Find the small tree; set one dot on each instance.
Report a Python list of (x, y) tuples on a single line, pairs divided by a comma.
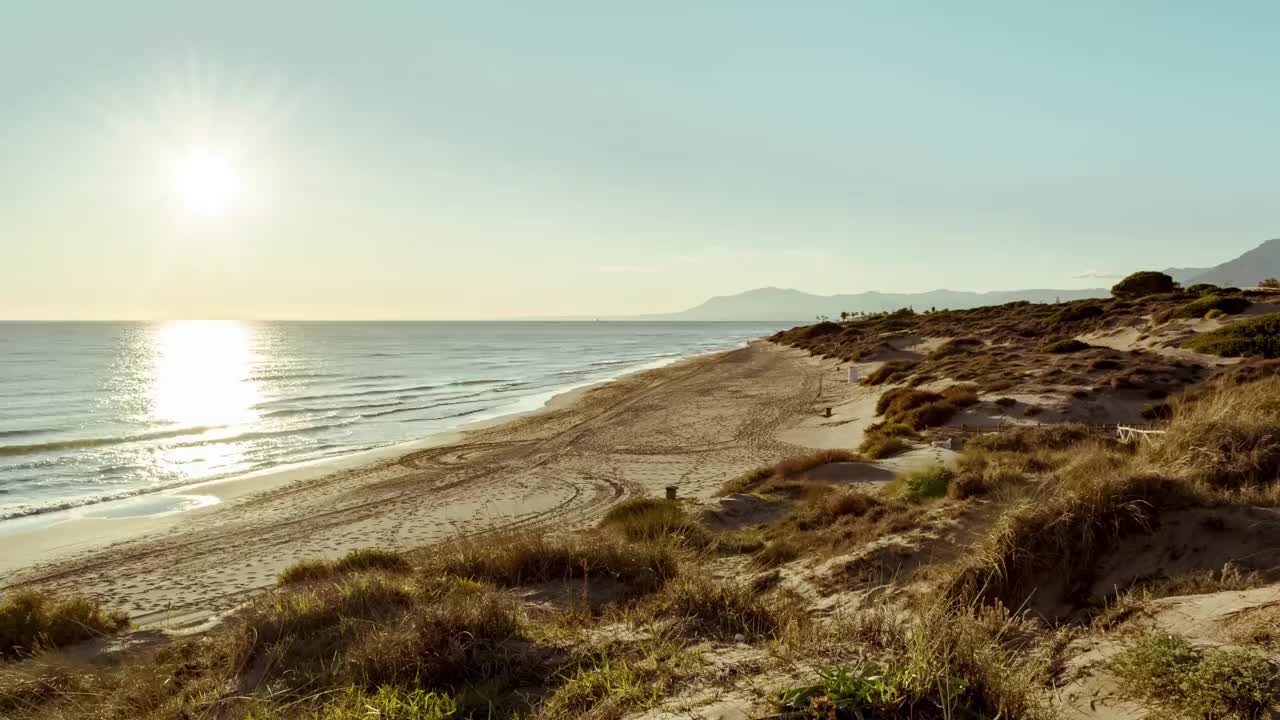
[(1141, 284), (1270, 283), (844, 315)]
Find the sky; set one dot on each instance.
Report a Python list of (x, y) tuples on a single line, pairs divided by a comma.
[(447, 160)]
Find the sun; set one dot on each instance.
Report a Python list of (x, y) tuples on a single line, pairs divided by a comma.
[(206, 182)]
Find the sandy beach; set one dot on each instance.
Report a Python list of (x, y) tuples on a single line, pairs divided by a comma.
[(693, 424)]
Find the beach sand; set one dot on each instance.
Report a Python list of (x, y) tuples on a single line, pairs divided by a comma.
[(694, 424)]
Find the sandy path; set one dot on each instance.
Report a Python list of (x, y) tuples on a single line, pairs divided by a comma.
[(693, 424)]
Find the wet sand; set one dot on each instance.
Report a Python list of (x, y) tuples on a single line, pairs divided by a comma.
[(693, 424)]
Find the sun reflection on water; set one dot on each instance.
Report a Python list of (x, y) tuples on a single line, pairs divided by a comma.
[(201, 377)]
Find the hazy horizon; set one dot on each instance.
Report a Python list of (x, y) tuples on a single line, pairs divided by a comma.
[(499, 161)]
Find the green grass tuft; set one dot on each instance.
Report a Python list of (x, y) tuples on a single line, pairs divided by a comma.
[(1196, 682), (31, 621)]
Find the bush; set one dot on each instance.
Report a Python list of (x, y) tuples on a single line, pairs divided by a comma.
[(956, 346), (898, 401), (651, 519), (1029, 439), (1142, 284), (1203, 289), (1208, 303), (717, 609), (1196, 682), (876, 445), (889, 373), (1256, 337), (822, 328), (1214, 314), (31, 621), (1077, 311), (1070, 345), (526, 559), (922, 484), (961, 396), (354, 561)]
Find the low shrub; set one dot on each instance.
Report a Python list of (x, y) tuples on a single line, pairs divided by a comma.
[(1255, 337), (31, 620), (1203, 289), (956, 346), (920, 485), (651, 519), (1031, 438), (1195, 682), (1059, 347), (1077, 311), (891, 372), (354, 561), (1208, 303), (961, 396), (822, 328), (1214, 314), (1006, 402), (876, 446), (712, 608), (526, 559)]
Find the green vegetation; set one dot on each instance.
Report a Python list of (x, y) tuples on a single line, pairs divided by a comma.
[(922, 484), (1194, 682), (884, 440), (1211, 303), (1076, 312), (1203, 289), (1144, 284), (391, 702), (889, 373), (1255, 337), (786, 471), (653, 519), (354, 561), (31, 621), (1059, 347)]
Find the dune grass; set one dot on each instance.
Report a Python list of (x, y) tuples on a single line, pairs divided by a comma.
[(354, 561), (786, 470), (32, 620), (920, 485), (650, 519), (1194, 682)]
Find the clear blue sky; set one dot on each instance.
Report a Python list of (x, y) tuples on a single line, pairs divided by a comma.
[(462, 160)]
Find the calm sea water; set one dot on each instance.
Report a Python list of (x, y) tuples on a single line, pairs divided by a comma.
[(96, 411)]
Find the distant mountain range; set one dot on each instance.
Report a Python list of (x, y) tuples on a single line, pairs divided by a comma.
[(780, 304), (1247, 270)]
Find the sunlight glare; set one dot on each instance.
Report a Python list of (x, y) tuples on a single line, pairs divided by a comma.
[(206, 183), (200, 374)]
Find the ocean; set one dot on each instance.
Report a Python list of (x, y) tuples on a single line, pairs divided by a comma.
[(91, 412)]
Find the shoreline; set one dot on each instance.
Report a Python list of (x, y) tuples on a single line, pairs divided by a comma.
[(695, 423), (205, 495), (52, 536)]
